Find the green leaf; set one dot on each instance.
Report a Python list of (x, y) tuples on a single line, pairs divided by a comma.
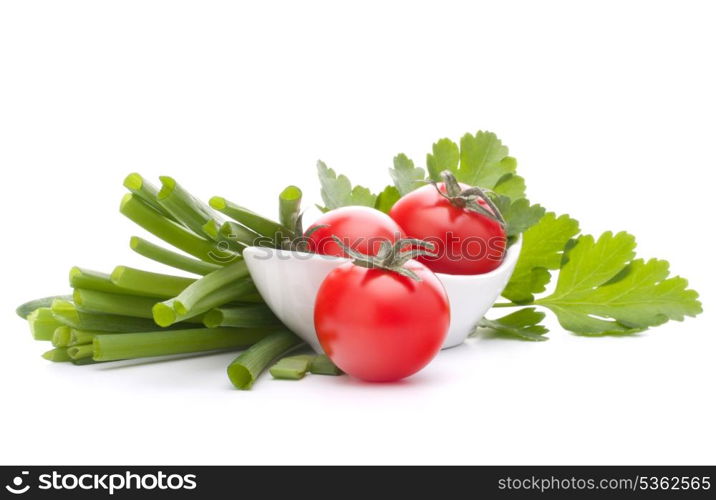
[(512, 186), (542, 249), (362, 196), (337, 191), (592, 263), (509, 163), (406, 176), (522, 324), (602, 291), (519, 214), (387, 198), (445, 156), (481, 160)]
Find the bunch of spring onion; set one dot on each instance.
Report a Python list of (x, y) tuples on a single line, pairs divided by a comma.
[(131, 313)]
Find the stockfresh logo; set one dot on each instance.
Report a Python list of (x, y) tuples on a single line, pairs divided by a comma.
[(107, 483), (17, 486)]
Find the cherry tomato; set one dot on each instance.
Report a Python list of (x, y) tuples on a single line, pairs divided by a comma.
[(361, 228), (378, 325), (466, 242)]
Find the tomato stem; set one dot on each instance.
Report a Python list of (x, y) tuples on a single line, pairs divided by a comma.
[(468, 199), (391, 257)]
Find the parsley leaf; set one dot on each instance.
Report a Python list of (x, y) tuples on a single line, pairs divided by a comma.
[(445, 156), (601, 288), (602, 291), (519, 214), (511, 185), (387, 198), (406, 176), (522, 324), (542, 248), (337, 191), (483, 159)]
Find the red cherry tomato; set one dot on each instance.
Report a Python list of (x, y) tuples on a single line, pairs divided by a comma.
[(361, 228), (380, 326), (466, 242)]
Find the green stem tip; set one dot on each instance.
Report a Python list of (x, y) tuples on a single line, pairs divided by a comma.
[(245, 369), (80, 351), (291, 367), (163, 343)]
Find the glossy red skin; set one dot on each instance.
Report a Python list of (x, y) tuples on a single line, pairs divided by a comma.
[(426, 215), (380, 326), (362, 228)]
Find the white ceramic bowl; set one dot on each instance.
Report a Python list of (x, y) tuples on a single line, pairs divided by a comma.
[(289, 281)]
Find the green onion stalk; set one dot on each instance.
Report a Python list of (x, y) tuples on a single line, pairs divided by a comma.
[(185, 208), (58, 355), (24, 310), (246, 368), (162, 343), (291, 367), (255, 222), (202, 287), (289, 206), (66, 313), (149, 283), (102, 282), (170, 258), (173, 233), (167, 313), (43, 323), (241, 316), (62, 336), (80, 351), (147, 192)]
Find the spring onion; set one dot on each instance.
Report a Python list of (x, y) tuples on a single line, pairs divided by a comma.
[(80, 351), (246, 368), (185, 208), (122, 305), (165, 313), (233, 231), (322, 365), (112, 303), (289, 203), (170, 258), (25, 309), (85, 336), (252, 298), (95, 280), (161, 343), (84, 361), (58, 354), (240, 316), (43, 323), (252, 220), (171, 232), (291, 367), (62, 336), (156, 284), (187, 299), (66, 313), (213, 229), (147, 192)]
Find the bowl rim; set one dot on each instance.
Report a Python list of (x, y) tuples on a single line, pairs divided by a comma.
[(293, 253), (511, 256)]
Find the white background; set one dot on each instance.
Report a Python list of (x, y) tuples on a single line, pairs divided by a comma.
[(609, 107)]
